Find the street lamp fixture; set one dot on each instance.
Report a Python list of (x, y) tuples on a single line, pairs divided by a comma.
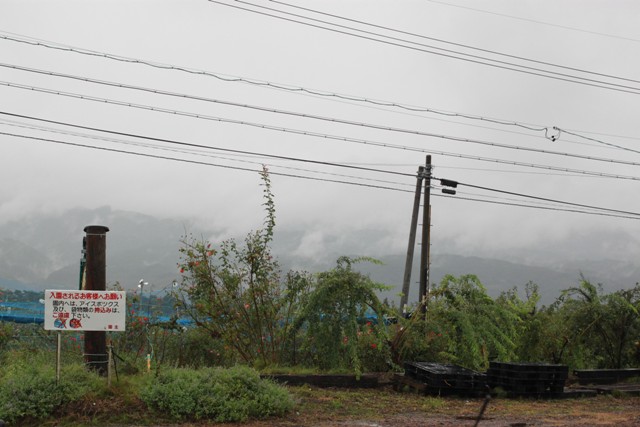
[(141, 285)]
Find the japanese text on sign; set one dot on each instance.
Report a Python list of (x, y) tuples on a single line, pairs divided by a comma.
[(85, 310)]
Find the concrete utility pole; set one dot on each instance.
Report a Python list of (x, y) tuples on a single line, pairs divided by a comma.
[(423, 294), (408, 266), (95, 342)]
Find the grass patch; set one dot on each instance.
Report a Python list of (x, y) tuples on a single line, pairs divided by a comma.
[(220, 395)]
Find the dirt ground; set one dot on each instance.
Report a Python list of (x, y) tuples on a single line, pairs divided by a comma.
[(621, 415), (387, 408)]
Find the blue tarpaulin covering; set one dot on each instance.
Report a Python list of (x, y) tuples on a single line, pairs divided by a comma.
[(22, 312)]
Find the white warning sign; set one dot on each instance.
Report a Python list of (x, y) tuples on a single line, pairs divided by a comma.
[(85, 310)]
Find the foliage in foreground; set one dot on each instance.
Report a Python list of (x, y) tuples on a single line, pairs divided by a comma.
[(238, 295), (28, 388), (29, 394), (221, 395), (341, 321)]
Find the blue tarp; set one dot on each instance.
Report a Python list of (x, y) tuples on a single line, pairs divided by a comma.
[(33, 312), (22, 312)]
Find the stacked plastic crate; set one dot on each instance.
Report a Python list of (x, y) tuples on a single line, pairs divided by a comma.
[(528, 379), (447, 379)]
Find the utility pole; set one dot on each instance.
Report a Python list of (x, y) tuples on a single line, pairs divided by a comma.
[(95, 342), (406, 283), (426, 240)]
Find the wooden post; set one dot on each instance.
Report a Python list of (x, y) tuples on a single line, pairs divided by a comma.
[(95, 342), (406, 283), (426, 239)]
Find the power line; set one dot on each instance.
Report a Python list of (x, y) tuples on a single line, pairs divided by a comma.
[(294, 114), (260, 83), (503, 198), (73, 144), (193, 152), (634, 138), (504, 171), (597, 140), (496, 63), (365, 142), (547, 199), (276, 111), (493, 52), (273, 156), (534, 206), (535, 21), (308, 92), (205, 99), (329, 180)]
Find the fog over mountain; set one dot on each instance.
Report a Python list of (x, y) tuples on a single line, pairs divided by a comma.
[(44, 251)]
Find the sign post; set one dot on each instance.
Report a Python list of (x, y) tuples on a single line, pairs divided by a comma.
[(58, 356), (69, 310)]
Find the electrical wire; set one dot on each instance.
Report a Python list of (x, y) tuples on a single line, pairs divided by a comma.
[(381, 106), (505, 171), (336, 181), (493, 52), (272, 156), (195, 153), (535, 21), (254, 82), (366, 142), (300, 115), (184, 151), (547, 199), (288, 175), (261, 83), (534, 207), (72, 144), (598, 141), (497, 64)]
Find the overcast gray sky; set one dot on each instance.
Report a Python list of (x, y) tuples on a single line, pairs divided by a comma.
[(479, 85)]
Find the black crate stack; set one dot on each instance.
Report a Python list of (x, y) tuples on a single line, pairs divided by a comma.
[(605, 376), (447, 379), (528, 379)]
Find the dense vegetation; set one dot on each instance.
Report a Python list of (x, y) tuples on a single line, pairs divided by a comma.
[(245, 312)]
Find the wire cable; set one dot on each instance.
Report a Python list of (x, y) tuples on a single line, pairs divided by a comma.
[(259, 83), (193, 152), (300, 115), (325, 180), (73, 144), (597, 140), (493, 52), (547, 199), (534, 206), (366, 142), (535, 21), (308, 92), (496, 64)]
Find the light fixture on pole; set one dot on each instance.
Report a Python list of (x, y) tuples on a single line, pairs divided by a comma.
[(141, 285)]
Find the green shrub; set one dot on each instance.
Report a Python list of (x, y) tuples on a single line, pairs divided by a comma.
[(28, 389), (220, 395)]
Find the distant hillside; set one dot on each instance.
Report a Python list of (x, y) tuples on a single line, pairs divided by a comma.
[(495, 275), (44, 251)]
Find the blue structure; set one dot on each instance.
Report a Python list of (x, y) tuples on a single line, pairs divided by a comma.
[(22, 312)]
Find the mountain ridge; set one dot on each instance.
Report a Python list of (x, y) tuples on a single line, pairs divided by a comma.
[(43, 251)]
